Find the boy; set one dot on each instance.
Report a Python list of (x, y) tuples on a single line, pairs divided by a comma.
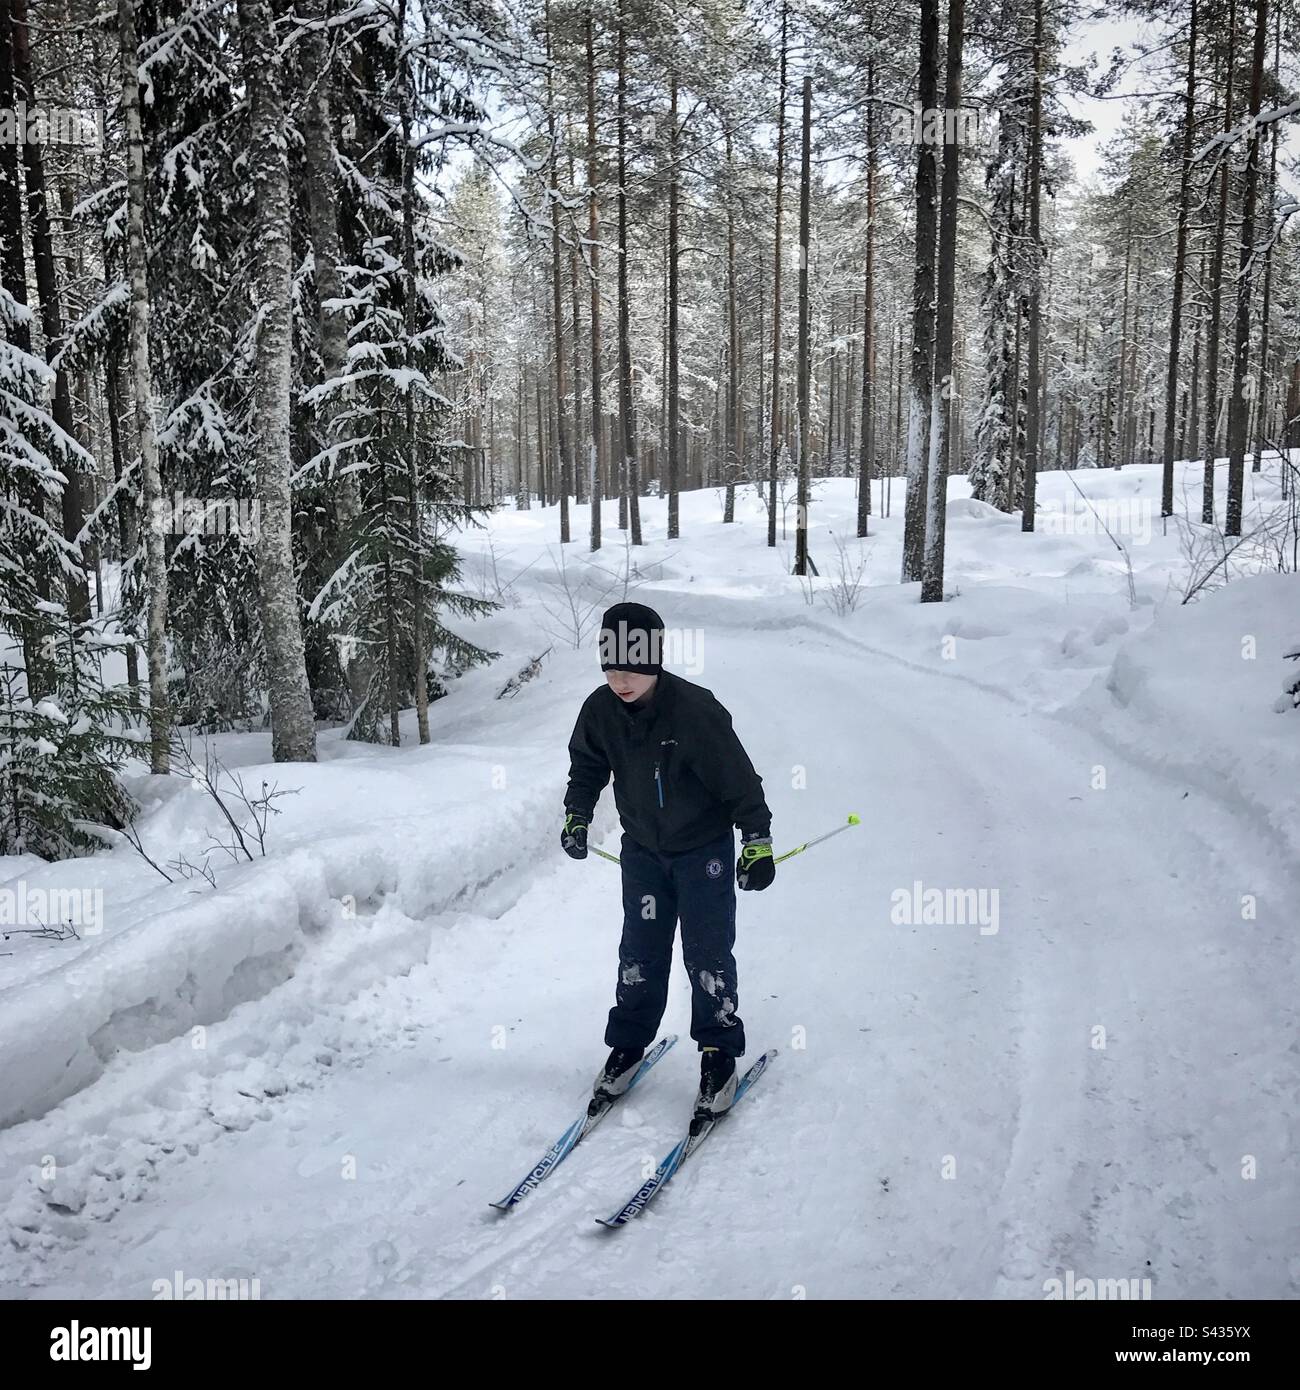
[(682, 781)]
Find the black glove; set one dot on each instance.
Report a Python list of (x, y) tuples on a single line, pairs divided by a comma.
[(755, 869), (573, 837)]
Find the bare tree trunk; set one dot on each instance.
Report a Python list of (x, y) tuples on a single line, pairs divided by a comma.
[(867, 441), (674, 411), (1121, 390), (1292, 439), (483, 472), (774, 455), (419, 656), (47, 293), (1194, 403), (661, 456), (627, 403), (596, 462), (1180, 270), (322, 200), (521, 483), (941, 419), (849, 432), (1044, 362), (1011, 371), (1266, 308), (733, 346), (1216, 291), (543, 439), (472, 374), (832, 383), (805, 366), (922, 384), (1032, 345), (760, 403), (142, 389), (891, 432), (127, 522), (575, 263), (1238, 406), (293, 732), (1131, 408), (390, 604)]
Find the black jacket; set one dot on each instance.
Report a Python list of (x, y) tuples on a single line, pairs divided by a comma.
[(681, 777)]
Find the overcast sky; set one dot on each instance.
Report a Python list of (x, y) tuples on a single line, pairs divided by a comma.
[(1100, 39)]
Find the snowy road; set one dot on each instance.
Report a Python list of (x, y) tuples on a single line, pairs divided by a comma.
[(945, 1118)]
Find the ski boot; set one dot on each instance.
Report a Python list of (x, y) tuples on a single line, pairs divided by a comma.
[(615, 1078), (717, 1087)]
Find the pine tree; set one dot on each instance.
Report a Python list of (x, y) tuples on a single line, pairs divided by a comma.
[(61, 745)]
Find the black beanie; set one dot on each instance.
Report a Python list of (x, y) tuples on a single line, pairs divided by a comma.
[(631, 639)]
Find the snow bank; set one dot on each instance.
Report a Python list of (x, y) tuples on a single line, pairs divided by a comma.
[(172, 970), (1195, 694), (423, 828)]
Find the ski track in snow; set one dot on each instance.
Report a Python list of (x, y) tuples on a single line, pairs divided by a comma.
[(924, 1045)]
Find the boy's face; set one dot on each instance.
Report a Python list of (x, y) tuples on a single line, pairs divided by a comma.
[(629, 686)]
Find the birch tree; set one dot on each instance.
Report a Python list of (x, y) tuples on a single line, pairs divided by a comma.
[(293, 730)]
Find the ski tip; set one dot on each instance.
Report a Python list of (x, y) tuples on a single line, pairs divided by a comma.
[(502, 1207), (610, 1223)]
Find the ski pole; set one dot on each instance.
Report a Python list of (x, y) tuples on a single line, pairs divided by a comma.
[(808, 844), (789, 854)]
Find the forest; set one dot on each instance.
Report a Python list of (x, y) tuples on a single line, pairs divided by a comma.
[(294, 295)]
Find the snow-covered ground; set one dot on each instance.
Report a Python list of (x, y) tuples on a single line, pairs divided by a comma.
[(317, 1073)]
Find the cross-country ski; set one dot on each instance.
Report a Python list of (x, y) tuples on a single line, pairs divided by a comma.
[(700, 1128), (597, 1108)]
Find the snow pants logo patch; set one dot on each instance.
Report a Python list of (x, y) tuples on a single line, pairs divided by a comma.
[(714, 868)]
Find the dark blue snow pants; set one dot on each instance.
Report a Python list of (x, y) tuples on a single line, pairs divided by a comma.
[(697, 886)]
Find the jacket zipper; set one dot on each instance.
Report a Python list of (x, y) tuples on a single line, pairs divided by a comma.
[(659, 786)]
